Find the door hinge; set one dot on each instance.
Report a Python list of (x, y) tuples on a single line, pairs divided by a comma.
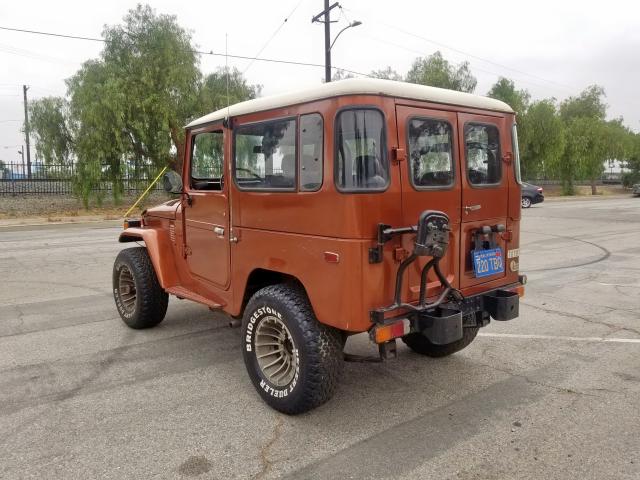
[(398, 154), (507, 158)]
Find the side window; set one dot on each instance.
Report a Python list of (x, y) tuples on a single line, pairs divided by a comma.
[(361, 157), (265, 155), (207, 160), (311, 158), (430, 153), (482, 148)]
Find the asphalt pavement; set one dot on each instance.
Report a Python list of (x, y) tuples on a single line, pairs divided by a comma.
[(552, 394)]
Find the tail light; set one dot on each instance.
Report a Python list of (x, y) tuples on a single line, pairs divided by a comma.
[(540, 189)]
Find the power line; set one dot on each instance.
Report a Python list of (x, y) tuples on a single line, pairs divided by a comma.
[(467, 54), (273, 35), (200, 52), (475, 67)]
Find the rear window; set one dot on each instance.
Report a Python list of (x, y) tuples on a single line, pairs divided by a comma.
[(265, 155), (482, 149), (361, 160), (430, 153)]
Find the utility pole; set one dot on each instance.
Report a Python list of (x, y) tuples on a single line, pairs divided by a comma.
[(26, 132), (327, 36)]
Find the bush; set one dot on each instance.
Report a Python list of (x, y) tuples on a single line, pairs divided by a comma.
[(630, 178)]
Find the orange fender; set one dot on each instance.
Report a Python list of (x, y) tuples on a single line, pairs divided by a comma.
[(160, 250)]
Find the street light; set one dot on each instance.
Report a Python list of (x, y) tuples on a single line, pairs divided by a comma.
[(326, 13), (355, 23)]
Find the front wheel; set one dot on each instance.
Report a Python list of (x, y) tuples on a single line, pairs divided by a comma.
[(421, 344), (294, 361), (140, 300), (526, 202)]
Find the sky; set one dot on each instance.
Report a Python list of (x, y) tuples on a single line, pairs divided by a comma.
[(551, 48)]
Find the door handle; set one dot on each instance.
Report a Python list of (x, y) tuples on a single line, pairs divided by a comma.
[(218, 231), (471, 208)]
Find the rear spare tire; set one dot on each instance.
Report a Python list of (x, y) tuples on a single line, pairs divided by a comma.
[(294, 361), (140, 300), (421, 344)]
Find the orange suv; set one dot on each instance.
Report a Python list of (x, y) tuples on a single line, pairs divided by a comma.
[(355, 206)]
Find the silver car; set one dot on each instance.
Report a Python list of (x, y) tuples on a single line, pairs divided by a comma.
[(636, 189)]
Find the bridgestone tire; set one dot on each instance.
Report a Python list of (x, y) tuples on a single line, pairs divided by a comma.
[(133, 266), (315, 350), (420, 344)]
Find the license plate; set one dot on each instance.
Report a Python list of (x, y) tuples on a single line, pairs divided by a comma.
[(487, 262)]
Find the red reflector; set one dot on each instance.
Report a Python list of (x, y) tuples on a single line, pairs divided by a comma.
[(331, 257), (394, 330)]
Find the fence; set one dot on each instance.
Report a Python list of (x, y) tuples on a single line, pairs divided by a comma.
[(44, 179)]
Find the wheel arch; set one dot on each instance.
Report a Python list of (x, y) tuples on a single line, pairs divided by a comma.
[(262, 277), (160, 249)]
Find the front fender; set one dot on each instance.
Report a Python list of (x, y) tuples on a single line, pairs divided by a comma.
[(160, 251)]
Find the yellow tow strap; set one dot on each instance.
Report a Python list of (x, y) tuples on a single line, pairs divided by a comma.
[(145, 192)]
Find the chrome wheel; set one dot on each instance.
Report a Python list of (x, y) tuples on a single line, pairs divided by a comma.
[(127, 290), (275, 351), (526, 202)]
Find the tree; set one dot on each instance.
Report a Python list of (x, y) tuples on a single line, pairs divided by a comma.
[(542, 140), (125, 110), (505, 90), (340, 74), (589, 103), (387, 74), (213, 93), (586, 150), (49, 122), (436, 71)]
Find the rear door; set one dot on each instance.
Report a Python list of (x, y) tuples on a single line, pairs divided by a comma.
[(430, 177), (482, 143)]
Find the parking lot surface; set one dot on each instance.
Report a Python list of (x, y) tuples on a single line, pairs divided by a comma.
[(552, 394)]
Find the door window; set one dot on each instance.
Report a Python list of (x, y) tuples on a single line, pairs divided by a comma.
[(430, 153), (482, 148), (207, 159), (361, 160), (265, 155), (311, 159)]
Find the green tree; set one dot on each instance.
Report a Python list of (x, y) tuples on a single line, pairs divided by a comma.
[(587, 148), (436, 71), (213, 93), (590, 103), (49, 122), (126, 110), (542, 139), (505, 90), (387, 74)]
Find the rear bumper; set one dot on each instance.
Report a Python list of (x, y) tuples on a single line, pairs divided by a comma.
[(444, 324), (538, 198)]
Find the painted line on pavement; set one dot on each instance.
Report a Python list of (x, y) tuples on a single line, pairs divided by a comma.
[(567, 339)]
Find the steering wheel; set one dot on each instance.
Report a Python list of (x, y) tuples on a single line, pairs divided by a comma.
[(251, 172)]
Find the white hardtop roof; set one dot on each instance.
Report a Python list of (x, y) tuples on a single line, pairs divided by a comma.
[(355, 86)]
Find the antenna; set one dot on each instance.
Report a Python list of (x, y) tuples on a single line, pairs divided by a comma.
[(226, 68)]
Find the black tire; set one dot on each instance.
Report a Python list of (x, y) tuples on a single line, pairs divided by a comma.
[(526, 202), (420, 344), (314, 350), (133, 270)]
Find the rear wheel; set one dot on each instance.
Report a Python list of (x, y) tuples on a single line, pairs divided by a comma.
[(526, 202), (140, 300), (421, 344), (294, 361)]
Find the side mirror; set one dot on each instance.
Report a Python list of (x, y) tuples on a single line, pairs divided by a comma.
[(172, 182)]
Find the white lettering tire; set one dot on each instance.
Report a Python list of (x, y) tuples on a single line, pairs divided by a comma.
[(294, 361)]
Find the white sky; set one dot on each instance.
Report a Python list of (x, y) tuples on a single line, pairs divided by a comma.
[(552, 48)]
